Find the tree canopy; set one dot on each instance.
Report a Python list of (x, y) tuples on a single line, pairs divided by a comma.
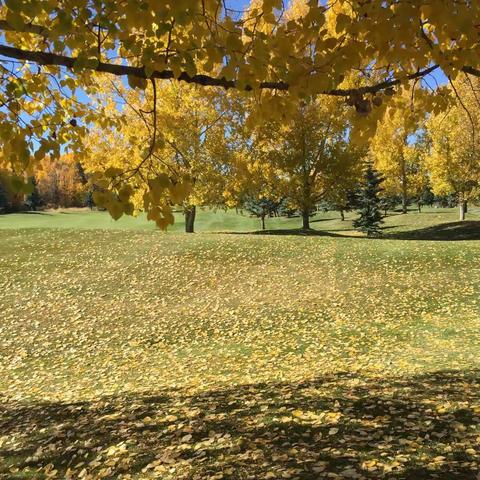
[(54, 53)]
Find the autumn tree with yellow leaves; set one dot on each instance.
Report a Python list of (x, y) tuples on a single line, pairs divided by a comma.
[(194, 143), (311, 155), (51, 53), (393, 147), (187, 159), (454, 157)]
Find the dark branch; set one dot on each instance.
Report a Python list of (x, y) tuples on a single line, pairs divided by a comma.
[(44, 58), (48, 59), (382, 85), (472, 71), (27, 28)]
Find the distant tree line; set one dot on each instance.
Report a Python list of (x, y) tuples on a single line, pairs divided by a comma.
[(356, 199), (58, 184)]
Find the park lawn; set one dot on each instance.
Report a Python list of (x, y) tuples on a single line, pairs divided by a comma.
[(224, 221), (131, 353)]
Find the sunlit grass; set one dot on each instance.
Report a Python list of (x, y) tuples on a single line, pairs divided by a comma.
[(160, 355)]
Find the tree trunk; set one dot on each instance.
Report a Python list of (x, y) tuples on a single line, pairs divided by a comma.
[(263, 222), (463, 210), (419, 206), (306, 220), (404, 188), (404, 200), (190, 213), (342, 215)]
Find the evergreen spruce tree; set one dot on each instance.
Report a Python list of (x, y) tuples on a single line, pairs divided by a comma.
[(34, 200), (369, 203), (4, 200), (89, 199), (426, 197), (389, 202), (260, 207)]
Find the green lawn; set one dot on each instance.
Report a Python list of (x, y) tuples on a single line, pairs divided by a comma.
[(131, 353), (226, 221), (207, 220)]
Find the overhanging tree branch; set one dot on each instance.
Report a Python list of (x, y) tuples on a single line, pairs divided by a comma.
[(26, 28), (472, 71), (53, 59)]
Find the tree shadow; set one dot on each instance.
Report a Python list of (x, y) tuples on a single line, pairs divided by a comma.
[(26, 212), (342, 425), (466, 230), (324, 219), (439, 211), (287, 231)]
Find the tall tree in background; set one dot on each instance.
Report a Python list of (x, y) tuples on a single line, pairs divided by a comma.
[(311, 154), (392, 150), (370, 204), (186, 165), (454, 159)]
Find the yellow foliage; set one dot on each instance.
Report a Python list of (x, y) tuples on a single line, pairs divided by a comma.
[(393, 149), (295, 50), (58, 182), (453, 161), (173, 151)]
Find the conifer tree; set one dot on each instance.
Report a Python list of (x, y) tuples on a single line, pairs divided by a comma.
[(4, 200), (33, 199), (426, 197), (260, 207), (370, 203)]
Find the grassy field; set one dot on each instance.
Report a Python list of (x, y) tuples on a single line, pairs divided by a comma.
[(131, 353), (230, 221)]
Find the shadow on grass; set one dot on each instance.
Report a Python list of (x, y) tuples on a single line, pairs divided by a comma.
[(466, 230), (324, 219), (287, 231), (30, 212), (454, 231), (336, 426)]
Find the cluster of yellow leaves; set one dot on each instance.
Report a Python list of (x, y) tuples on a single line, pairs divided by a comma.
[(308, 47), (393, 149)]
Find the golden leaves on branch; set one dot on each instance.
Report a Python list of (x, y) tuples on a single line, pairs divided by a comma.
[(359, 50), (112, 192)]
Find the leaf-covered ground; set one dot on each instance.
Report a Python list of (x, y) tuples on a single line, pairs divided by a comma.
[(137, 354)]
